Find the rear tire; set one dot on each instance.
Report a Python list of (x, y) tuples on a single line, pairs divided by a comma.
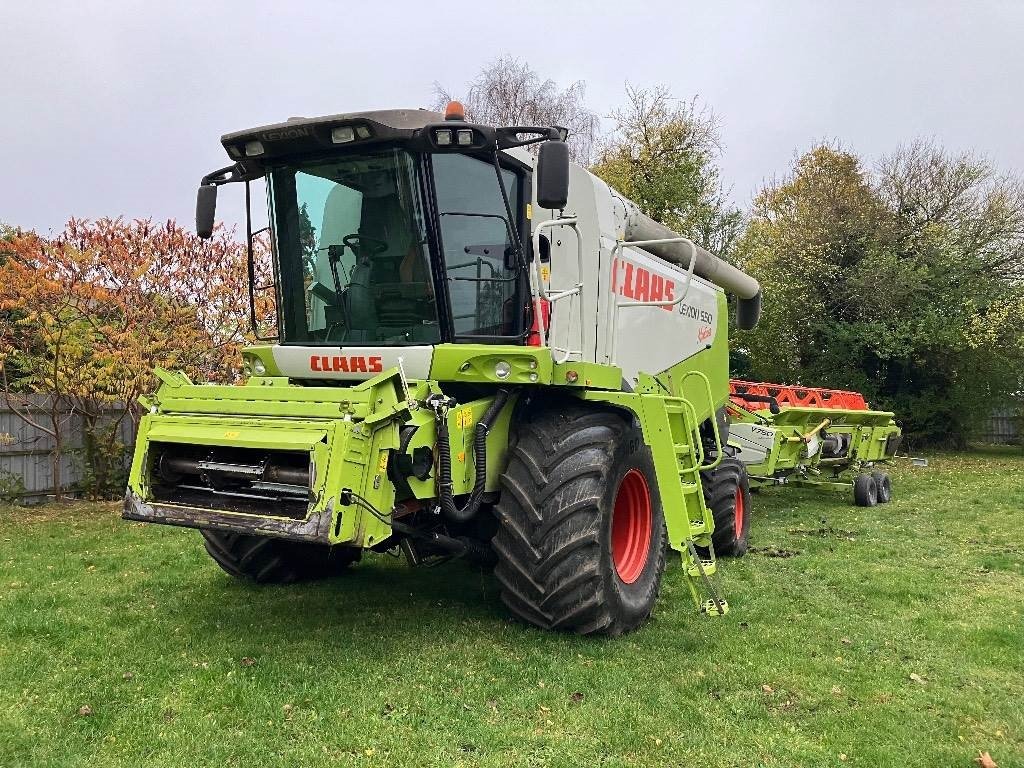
[(884, 485), (581, 537), (865, 491), (266, 560), (727, 495)]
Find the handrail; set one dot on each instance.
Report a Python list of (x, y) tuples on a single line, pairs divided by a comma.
[(714, 421), (614, 305), (540, 290)]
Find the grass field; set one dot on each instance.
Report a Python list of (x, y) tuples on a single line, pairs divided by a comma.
[(891, 636)]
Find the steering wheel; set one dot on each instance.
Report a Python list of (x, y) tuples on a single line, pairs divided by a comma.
[(362, 244)]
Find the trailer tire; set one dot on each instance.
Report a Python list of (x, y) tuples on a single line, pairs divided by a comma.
[(865, 491), (581, 534), (727, 495), (884, 485), (267, 560)]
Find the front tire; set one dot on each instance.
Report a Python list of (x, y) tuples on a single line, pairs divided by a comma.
[(267, 560), (581, 537)]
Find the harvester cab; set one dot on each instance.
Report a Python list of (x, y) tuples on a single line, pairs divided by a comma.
[(479, 351)]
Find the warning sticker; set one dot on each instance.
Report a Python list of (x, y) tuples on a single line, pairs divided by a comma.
[(464, 418)]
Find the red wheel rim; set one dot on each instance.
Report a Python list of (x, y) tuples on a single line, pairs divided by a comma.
[(739, 512), (631, 526)]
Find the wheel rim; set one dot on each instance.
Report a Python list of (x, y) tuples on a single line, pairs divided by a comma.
[(631, 526), (740, 512)]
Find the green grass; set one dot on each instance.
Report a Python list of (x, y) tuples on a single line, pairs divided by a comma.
[(182, 666)]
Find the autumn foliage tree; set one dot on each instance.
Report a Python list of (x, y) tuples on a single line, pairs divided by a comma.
[(93, 311)]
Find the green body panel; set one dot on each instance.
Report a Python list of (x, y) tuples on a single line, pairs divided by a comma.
[(475, 363), (462, 421), (709, 391), (264, 353)]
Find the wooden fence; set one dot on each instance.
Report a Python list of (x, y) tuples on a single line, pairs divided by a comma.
[(1003, 427), (26, 451)]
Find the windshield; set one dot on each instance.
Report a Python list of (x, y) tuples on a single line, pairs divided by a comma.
[(352, 248)]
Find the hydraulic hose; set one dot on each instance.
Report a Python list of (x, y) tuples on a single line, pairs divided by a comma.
[(448, 506)]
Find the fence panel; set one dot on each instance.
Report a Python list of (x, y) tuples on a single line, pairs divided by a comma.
[(1003, 427), (26, 451)]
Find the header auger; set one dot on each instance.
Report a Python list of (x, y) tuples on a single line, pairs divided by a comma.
[(480, 352)]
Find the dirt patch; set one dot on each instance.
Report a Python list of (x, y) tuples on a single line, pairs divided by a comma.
[(825, 533), (773, 551)]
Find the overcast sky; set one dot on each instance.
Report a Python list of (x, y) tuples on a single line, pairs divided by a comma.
[(115, 108)]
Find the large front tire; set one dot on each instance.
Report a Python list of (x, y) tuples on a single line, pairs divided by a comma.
[(581, 538), (266, 560)]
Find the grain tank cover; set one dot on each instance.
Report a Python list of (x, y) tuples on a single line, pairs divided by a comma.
[(639, 227)]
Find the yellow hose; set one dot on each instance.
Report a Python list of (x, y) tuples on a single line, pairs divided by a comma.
[(806, 438)]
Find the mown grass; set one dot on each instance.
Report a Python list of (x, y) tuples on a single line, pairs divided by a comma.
[(890, 637)]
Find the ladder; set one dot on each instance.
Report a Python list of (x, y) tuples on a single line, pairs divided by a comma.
[(670, 429)]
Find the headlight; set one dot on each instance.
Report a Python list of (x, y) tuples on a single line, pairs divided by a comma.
[(343, 135), (258, 367), (502, 369)]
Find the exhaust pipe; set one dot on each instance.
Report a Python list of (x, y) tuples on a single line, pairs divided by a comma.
[(639, 227)]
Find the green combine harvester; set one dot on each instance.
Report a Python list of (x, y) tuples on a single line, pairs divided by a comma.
[(812, 437), (480, 352)]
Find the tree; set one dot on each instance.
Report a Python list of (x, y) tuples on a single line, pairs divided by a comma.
[(46, 350), (904, 283), (663, 156), (508, 92), (103, 303)]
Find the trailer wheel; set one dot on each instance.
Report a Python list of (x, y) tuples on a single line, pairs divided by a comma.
[(727, 494), (581, 537), (865, 491), (884, 485), (266, 560)]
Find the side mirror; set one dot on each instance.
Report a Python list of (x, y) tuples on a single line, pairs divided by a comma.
[(553, 175), (206, 209)]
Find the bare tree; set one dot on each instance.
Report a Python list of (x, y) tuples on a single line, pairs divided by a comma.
[(983, 211), (508, 92), (663, 154)]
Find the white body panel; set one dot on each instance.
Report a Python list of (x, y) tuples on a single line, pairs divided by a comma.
[(649, 339), (754, 441)]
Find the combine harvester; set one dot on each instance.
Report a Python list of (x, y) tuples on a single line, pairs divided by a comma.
[(805, 436), (480, 352)]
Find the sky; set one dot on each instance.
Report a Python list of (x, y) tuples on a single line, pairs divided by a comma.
[(116, 108)]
